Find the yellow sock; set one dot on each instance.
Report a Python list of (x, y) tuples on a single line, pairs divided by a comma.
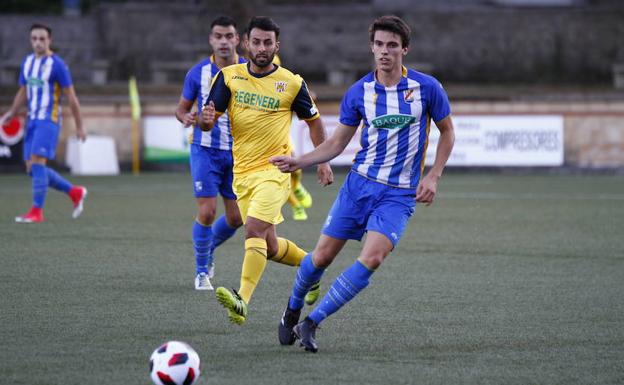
[(253, 266), (295, 179), (288, 253)]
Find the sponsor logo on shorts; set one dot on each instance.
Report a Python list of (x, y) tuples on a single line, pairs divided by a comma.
[(198, 186)]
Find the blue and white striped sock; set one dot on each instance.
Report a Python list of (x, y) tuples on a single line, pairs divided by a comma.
[(221, 231), (57, 182), (307, 275), (345, 287), (39, 184), (202, 240)]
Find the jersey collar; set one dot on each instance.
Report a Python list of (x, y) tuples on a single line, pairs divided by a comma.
[(213, 59), (255, 75), (403, 74)]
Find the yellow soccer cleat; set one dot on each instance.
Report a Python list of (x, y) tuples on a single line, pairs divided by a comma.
[(299, 213), (313, 294), (303, 196), (236, 306)]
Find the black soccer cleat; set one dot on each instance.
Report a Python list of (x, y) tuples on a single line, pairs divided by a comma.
[(285, 329), (306, 332)]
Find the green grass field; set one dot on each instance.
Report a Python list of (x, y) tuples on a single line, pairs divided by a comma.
[(506, 279)]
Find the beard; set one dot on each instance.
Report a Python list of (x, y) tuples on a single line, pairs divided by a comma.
[(262, 61)]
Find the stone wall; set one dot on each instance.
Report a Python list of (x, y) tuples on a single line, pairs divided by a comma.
[(474, 44), (73, 38), (472, 41), (595, 141)]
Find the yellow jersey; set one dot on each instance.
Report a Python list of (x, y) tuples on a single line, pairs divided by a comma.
[(259, 108)]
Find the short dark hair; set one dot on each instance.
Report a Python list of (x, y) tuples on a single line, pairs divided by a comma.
[(264, 23), (41, 26), (224, 21), (392, 24)]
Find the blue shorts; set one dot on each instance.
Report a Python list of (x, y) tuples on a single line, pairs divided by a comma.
[(41, 139), (211, 170), (364, 205)]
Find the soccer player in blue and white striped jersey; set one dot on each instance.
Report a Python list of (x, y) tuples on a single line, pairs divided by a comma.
[(380, 193), (43, 76), (211, 152)]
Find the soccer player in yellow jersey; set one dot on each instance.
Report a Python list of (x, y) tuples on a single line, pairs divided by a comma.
[(259, 98), (299, 198)]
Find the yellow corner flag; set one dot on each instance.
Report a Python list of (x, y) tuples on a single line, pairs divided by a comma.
[(135, 106)]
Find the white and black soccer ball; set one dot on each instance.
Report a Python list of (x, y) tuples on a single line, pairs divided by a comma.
[(174, 363)]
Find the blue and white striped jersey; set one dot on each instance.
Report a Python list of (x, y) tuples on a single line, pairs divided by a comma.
[(396, 125), (197, 87), (44, 78)]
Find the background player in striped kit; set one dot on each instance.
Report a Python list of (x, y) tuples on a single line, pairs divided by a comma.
[(43, 75), (211, 153), (381, 191)]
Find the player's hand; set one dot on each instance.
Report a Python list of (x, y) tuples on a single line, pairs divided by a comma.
[(426, 190), (284, 163), (324, 174), (189, 119), (81, 134), (208, 117)]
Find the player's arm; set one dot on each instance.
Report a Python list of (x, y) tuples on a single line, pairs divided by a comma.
[(190, 91), (325, 151), (18, 101), (183, 112), (428, 186), (304, 107), (324, 172), (74, 106), (216, 104), (331, 148), (63, 77)]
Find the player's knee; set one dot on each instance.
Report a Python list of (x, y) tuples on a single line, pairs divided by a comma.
[(373, 258), (252, 232), (234, 220), (206, 215), (373, 261), (37, 159), (323, 256), (272, 249)]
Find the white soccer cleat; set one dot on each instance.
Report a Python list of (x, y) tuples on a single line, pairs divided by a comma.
[(202, 282), (211, 270), (78, 197)]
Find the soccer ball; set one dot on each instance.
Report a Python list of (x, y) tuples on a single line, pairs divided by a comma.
[(174, 363)]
